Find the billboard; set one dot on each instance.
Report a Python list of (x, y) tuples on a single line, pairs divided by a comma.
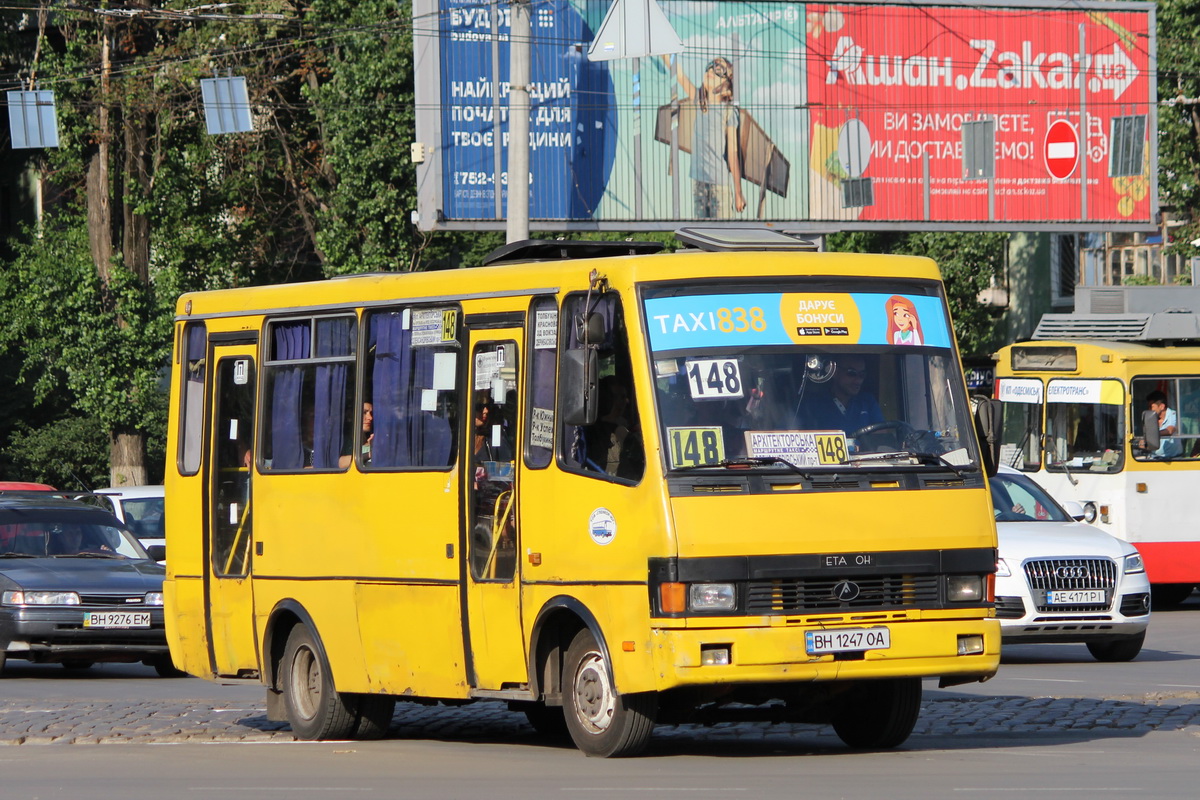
[(812, 116)]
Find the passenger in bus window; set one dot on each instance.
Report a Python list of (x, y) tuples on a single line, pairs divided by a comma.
[(1168, 426), (843, 405), (368, 434)]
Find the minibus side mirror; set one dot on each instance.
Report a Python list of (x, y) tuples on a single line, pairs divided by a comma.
[(578, 401), (1150, 431)]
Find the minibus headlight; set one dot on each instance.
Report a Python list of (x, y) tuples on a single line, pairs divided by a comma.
[(964, 588), (1002, 570), (1089, 512), (1134, 563), (40, 599), (711, 597)]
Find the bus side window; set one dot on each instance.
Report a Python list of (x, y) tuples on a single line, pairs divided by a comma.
[(413, 393), (309, 393), (612, 446), (539, 441), (195, 345)]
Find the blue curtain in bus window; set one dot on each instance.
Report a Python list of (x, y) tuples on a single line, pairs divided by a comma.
[(430, 434), (291, 341), (391, 377), (335, 337)]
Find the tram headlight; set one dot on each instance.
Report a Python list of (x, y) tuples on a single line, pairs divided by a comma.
[(1134, 563), (712, 597), (1089, 512)]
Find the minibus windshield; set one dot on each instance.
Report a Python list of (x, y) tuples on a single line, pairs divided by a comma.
[(742, 381)]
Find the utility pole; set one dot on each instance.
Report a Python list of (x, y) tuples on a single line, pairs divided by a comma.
[(519, 48)]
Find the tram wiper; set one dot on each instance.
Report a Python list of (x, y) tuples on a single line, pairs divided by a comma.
[(747, 462), (923, 457)]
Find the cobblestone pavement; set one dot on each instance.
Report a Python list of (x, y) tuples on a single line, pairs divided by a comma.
[(960, 717)]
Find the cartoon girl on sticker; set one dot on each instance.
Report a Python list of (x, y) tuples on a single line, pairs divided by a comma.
[(904, 326)]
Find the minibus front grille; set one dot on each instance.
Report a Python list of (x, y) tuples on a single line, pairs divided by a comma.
[(1067, 574), (789, 596)]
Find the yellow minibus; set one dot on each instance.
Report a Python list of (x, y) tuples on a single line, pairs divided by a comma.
[(1114, 426), (607, 485)]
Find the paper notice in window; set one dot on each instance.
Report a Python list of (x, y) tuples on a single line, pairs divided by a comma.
[(429, 399), (545, 331), (444, 365), (541, 427)]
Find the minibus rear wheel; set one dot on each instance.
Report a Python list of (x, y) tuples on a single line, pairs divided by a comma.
[(876, 715), (602, 722)]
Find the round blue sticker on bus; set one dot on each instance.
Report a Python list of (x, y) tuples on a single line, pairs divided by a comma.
[(602, 526)]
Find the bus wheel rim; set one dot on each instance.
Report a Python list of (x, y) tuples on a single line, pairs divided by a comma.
[(594, 696)]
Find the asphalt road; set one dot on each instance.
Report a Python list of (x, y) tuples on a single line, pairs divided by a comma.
[(1053, 721)]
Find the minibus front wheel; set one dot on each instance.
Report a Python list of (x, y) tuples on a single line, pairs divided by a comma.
[(601, 721), (879, 714)]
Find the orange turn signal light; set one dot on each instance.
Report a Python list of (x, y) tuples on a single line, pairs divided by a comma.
[(672, 597)]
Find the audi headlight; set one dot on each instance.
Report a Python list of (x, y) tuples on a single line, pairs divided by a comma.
[(1133, 563), (19, 598), (1002, 570), (712, 597), (964, 588), (154, 598)]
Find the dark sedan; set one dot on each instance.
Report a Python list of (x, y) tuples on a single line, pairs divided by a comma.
[(76, 587)]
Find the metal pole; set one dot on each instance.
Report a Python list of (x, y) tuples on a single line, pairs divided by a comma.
[(497, 113), (519, 46), (1083, 124), (637, 138)]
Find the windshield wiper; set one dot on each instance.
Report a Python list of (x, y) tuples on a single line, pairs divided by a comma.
[(87, 555), (17, 555), (747, 462), (925, 458)]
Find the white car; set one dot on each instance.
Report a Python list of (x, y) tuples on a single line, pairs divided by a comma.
[(1060, 580), (141, 509)]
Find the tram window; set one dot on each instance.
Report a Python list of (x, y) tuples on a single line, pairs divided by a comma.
[(1182, 398)]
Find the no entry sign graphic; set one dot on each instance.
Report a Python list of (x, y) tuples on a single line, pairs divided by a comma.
[(1061, 149)]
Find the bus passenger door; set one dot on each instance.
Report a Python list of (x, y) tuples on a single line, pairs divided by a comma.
[(228, 589), (497, 648)]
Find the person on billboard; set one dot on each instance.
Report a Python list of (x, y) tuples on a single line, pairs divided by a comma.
[(904, 326), (716, 163)]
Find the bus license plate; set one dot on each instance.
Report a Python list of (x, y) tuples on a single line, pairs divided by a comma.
[(1076, 597), (116, 619), (847, 640)]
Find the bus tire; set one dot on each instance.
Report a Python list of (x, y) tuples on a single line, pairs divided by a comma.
[(374, 715), (876, 715), (1123, 649), (601, 721), (315, 709)]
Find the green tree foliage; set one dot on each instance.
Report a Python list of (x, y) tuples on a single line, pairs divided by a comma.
[(1179, 116), (968, 262)]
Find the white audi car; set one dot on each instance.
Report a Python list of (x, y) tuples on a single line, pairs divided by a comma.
[(1060, 580)]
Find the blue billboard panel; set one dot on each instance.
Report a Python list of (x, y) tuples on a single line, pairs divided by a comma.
[(573, 118)]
